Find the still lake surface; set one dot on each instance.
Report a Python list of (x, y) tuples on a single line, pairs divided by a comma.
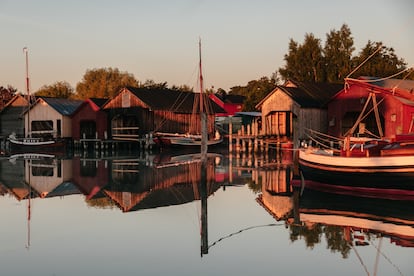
[(174, 215)]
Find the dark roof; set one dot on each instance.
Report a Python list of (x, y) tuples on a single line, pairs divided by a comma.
[(173, 100), (64, 106), (312, 95), (98, 101), (231, 98)]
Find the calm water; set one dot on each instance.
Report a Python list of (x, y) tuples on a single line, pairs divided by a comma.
[(160, 215)]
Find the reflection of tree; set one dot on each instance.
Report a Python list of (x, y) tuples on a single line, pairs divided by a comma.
[(101, 203), (312, 234), (336, 240), (255, 187)]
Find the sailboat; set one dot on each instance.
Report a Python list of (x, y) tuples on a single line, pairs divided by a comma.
[(190, 139), (359, 160), (30, 143)]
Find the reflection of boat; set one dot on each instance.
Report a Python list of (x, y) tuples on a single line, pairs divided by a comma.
[(384, 217), (194, 136)]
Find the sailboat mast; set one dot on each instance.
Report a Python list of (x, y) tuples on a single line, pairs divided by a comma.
[(201, 78), (26, 51), (203, 113)]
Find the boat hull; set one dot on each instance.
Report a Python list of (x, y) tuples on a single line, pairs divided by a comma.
[(387, 172), (174, 141), (50, 146)]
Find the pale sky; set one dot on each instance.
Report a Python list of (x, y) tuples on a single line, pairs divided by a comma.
[(242, 40)]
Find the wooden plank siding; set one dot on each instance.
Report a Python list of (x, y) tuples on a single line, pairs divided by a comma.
[(396, 113), (11, 117), (288, 111), (127, 110)]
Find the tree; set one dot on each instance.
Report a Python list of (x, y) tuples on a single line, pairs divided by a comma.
[(151, 84), (103, 83), (6, 94), (338, 51), (60, 89), (304, 62), (383, 61), (308, 62), (254, 91)]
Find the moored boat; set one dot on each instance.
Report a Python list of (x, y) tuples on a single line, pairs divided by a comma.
[(392, 167)]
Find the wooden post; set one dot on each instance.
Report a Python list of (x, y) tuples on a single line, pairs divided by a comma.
[(230, 134)]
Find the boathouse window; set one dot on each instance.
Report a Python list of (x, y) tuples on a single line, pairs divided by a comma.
[(125, 100), (42, 167), (41, 128)]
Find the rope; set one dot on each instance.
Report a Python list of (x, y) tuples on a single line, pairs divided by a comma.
[(387, 258), (381, 79), (245, 229), (362, 63)]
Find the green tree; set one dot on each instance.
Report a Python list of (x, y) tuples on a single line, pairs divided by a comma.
[(151, 84), (60, 89), (309, 62), (304, 62), (183, 87), (103, 83), (254, 91), (383, 61), (338, 51)]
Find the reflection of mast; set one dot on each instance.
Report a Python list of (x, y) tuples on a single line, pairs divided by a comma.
[(203, 197), (203, 180), (29, 210)]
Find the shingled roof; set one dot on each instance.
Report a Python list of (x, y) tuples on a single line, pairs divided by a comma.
[(313, 94), (64, 106), (172, 100)]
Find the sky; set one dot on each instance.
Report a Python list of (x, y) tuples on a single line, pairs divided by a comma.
[(242, 40)]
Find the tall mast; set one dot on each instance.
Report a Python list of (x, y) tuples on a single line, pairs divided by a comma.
[(26, 51), (203, 113)]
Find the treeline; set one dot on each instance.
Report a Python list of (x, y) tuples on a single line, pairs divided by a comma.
[(307, 62)]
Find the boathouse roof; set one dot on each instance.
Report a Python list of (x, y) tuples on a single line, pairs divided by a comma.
[(307, 94), (172, 100), (64, 106)]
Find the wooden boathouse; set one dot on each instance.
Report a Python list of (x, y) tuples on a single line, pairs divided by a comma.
[(290, 109), (136, 112)]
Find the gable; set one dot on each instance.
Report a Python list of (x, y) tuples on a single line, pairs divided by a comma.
[(125, 99)]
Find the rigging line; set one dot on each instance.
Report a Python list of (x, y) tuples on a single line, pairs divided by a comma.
[(360, 259), (368, 58), (410, 70), (380, 79), (243, 230), (321, 138), (320, 144), (323, 134), (387, 258)]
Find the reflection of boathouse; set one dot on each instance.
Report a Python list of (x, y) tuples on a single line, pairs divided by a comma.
[(90, 175), (134, 186), (276, 196), (47, 174)]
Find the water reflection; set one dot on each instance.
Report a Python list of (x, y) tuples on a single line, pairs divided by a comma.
[(134, 183), (344, 220)]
